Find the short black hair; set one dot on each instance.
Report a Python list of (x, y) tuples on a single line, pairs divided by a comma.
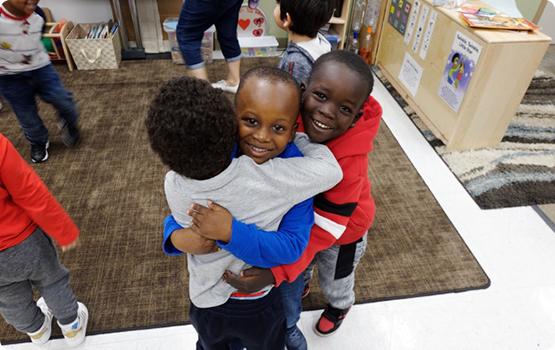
[(307, 16), (456, 55), (192, 127), (271, 74), (353, 62)]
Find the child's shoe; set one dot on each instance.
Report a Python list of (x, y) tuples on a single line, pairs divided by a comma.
[(70, 135), (39, 153), (224, 85), (329, 321), (74, 333), (43, 334)]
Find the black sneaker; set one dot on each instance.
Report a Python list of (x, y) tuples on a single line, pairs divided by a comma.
[(70, 135), (39, 153)]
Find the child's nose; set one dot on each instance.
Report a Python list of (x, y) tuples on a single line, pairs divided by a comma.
[(262, 134), (328, 110)]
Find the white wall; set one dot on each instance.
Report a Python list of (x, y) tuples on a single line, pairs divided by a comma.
[(79, 11)]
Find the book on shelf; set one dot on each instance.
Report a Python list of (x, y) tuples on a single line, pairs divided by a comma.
[(497, 21)]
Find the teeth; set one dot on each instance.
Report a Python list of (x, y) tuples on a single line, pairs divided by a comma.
[(257, 149), (321, 125)]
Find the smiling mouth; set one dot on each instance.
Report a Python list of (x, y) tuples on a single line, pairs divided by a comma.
[(259, 151), (319, 125)]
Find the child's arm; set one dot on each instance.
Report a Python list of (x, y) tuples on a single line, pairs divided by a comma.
[(29, 192), (178, 240), (252, 245)]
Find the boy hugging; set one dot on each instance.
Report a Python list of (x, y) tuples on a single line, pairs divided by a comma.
[(227, 157)]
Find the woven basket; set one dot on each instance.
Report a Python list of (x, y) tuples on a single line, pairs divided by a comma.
[(94, 53)]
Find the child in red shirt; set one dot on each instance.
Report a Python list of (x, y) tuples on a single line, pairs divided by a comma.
[(337, 110), (29, 216)]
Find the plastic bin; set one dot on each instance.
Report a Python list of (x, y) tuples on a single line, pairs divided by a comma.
[(206, 48), (258, 46)]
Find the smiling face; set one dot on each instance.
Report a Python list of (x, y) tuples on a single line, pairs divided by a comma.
[(266, 115), (21, 8), (332, 101)]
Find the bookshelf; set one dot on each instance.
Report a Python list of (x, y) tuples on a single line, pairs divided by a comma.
[(339, 25)]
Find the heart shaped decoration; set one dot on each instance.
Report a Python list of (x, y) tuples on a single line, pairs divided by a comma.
[(244, 23)]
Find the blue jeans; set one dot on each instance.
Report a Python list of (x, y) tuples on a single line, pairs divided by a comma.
[(20, 91), (291, 294), (197, 16)]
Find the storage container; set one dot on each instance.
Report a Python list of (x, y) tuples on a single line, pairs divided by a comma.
[(261, 46)]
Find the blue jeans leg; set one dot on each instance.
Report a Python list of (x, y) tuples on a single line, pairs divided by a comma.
[(292, 306), (19, 91), (50, 88), (226, 28)]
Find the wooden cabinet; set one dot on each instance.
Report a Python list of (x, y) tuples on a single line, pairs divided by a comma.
[(492, 81)]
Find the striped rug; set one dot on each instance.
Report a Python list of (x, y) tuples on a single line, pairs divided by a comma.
[(520, 171)]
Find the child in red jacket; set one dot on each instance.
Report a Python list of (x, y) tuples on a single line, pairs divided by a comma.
[(338, 111), (29, 215)]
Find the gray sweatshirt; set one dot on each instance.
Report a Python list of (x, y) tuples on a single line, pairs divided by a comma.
[(254, 194)]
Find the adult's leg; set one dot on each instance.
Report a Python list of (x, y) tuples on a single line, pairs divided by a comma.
[(196, 16), (226, 27), (19, 91)]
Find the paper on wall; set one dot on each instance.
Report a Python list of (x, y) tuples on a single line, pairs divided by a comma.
[(461, 63), (412, 21), (420, 27), (428, 35), (410, 74)]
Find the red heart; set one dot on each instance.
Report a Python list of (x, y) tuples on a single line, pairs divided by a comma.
[(244, 23)]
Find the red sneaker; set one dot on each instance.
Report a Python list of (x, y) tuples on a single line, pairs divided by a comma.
[(329, 321)]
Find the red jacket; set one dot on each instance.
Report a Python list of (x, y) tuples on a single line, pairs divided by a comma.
[(344, 213), (26, 203)]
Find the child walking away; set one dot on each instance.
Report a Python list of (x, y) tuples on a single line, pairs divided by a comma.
[(193, 129), (346, 119), (26, 71), (29, 217), (302, 19)]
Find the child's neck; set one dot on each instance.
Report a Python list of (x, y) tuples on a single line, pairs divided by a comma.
[(13, 11), (298, 38)]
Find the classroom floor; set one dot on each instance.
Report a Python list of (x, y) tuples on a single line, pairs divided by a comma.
[(514, 246)]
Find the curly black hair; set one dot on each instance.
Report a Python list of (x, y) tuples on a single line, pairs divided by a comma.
[(307, 16), (353, 62), (192, 127), (270, 74)]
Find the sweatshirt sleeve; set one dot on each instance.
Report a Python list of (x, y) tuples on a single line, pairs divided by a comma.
[(271, 248), (170, 225), (332, 213), (29, 192)]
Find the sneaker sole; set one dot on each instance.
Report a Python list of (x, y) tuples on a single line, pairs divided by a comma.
[(45, 156)]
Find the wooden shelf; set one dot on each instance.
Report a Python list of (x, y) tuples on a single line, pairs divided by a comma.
[(337, 20)]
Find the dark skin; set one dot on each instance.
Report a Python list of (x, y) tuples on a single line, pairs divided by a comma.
[(266, 126), (21, 8), (329, 109)]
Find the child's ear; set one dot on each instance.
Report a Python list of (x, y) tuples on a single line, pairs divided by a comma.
[(287, 22)]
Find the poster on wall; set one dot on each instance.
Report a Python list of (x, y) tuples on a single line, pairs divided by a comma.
[(399, 15), (410, 74), (428, 35), (420, 27), (412, 21), (458, 70)]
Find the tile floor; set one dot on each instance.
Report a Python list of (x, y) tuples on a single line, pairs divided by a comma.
[(515, 247)]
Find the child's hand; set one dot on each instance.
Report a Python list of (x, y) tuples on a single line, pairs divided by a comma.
[(251, 280), (213, 222), (70, 246)]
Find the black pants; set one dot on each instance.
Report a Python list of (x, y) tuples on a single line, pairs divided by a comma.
[(259, 324)]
